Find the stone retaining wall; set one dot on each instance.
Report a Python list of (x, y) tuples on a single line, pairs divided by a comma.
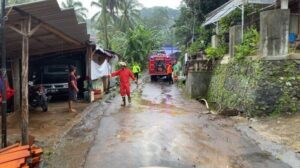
[(257, 88)]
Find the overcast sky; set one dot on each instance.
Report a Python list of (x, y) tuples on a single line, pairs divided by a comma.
[(146, 3)]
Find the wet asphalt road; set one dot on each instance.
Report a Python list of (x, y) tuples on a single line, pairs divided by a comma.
[(161, 128)]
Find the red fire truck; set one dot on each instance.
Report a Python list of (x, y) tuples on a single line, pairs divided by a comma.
[(158, 65)]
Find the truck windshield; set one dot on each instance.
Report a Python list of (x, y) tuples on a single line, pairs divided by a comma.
[(160, 65)]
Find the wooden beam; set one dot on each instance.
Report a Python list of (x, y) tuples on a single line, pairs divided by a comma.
[(36, 28), (298, 19), (40, 41), (52, 50), (24, 84), (16, 30), (60, 34), (49, 27), (29, 23)]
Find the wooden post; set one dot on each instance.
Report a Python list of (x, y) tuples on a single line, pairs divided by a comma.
[(88, 56), (88, 60), (16, 85), (298, 19), (24, 78)]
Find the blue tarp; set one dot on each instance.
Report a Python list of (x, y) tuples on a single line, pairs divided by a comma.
[(171, 50)]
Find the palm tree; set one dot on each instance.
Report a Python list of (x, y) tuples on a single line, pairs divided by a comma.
[(129, 14), (81, 12), (106, 17)]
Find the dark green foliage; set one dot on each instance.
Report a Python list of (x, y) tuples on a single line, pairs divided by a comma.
[(192, 16), (216, 53), (258, 88), (136, 45), (161, 19), (249, 45)]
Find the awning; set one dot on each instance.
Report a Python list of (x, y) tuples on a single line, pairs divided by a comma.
[(230, 6), (222, 11), (54, 29), (106, 52)]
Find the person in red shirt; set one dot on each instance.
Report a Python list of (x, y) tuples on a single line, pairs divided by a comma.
[(125, 74)]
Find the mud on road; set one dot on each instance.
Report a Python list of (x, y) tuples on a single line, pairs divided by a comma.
[(72, 148), (161, 128)]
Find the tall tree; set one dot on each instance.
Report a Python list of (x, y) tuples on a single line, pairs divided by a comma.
[(192, 16), (129, 14), (136, 44), (105, 17), (81, 12), (162, 20)]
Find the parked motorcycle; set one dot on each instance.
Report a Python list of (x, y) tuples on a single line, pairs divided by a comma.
[(37, 96)]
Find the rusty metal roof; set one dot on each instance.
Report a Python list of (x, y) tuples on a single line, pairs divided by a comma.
[(43, 41)]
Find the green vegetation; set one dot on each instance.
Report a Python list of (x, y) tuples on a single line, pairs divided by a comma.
[(249, 45), (192, 14), (136, 45), (216, 53), (258, 88), (161, 19)]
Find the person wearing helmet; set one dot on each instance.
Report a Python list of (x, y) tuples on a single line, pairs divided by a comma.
[(125, 74)]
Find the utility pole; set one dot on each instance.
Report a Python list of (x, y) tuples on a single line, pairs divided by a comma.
[(3, 74)]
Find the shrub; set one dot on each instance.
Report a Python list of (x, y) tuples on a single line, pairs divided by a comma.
[(216, 53), (249, 45)]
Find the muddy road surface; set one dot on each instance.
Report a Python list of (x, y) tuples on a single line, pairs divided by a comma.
[(162, 128)]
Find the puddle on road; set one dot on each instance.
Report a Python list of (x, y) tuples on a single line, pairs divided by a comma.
[(125, 135)]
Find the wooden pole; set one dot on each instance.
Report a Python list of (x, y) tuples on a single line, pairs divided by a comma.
[(4, 77), (16, 84), (24, 79), (298, 19), (89, 52)]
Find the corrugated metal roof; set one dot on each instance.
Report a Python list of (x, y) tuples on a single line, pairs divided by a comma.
[(230, 6), (108, 53), (43, 41)]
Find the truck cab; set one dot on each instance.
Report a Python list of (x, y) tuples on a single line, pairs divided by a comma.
[(158, 65)]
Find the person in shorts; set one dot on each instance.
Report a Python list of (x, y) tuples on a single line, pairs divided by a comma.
[(73, 89)]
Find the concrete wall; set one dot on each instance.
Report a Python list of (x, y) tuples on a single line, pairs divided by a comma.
[(215, 41), (274, 25), (197, 84), (235, 38)]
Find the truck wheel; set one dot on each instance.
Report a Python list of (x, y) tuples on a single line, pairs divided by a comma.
[(153, 78)]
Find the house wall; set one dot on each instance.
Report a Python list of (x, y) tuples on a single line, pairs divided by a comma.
[(274, 33), (294, 24), (235, 38)]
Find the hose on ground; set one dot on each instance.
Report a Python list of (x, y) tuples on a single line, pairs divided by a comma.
[(207, 105)]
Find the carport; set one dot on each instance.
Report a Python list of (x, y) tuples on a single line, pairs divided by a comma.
[(36, 29)]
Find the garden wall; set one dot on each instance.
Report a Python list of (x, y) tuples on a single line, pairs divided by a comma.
[(197, 84), (257, 88)]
